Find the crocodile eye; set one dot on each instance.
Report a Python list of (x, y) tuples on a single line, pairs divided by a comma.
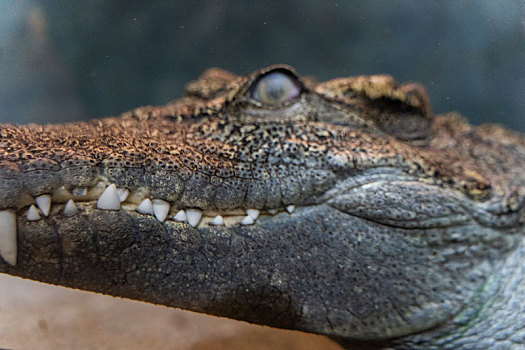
[(276, 88)]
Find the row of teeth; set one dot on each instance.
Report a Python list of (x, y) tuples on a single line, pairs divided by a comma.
[(110, 199)]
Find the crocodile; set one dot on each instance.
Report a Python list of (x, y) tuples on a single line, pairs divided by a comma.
[(344, 208)]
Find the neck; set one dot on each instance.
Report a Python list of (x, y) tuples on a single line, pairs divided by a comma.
[(494, 319)]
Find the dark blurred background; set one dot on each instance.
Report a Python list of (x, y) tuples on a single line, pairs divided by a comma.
[(74, 60)]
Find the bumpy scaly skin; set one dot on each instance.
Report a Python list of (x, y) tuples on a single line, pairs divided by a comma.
[(407, 230)]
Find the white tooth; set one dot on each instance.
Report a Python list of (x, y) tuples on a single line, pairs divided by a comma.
[(161, 209), (180, 216), (33, 214), (272, 211), (71, 208), (290, 208), (253, 213), (217, 221), (109, 199), (79, 191), (194, 216), (145, 207), (8, 248), (247, 220), (44, 203), (123, 194)]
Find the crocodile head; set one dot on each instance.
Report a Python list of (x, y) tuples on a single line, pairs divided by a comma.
[(343, 208)]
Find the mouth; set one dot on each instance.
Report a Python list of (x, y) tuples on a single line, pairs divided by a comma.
[(345, 195), (111, 197), (108, 197)]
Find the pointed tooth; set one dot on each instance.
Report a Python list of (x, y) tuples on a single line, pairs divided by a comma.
[(161, 209), (71, 208), (247, 220), (44, 203), (8, 248), (109, 199), (79, 191), (180, 216), (33, 214), (194, 216), (123, 194), (253, 213), (217, 221), (145, 207), (290, 208), (272, 211)]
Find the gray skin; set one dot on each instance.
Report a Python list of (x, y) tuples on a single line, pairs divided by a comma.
[(416, 243)]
